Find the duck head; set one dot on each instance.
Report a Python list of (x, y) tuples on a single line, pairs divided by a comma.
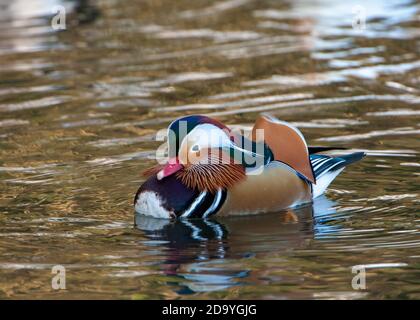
[(206, 155)]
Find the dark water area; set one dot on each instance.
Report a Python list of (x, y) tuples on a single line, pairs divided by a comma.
[(79, 112)]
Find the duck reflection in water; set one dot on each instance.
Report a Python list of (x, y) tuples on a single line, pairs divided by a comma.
[(202, 252)]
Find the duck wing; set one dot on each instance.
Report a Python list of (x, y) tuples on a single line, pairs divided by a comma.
[(286, 143)]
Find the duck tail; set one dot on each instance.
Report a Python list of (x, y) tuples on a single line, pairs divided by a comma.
[(351, 158), (326, 168)]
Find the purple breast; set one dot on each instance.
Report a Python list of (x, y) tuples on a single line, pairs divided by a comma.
[(174, 195)]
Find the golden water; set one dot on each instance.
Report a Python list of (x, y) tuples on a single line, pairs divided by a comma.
[(79, 110)]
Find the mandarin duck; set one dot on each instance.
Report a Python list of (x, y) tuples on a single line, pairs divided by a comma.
[(213, 170)]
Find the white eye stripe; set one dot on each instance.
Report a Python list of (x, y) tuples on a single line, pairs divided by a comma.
[(206, 136)]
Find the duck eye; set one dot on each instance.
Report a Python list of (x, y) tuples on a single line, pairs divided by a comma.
[(195, 148)]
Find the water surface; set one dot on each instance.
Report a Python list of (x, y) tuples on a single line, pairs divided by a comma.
[(79, 110)]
